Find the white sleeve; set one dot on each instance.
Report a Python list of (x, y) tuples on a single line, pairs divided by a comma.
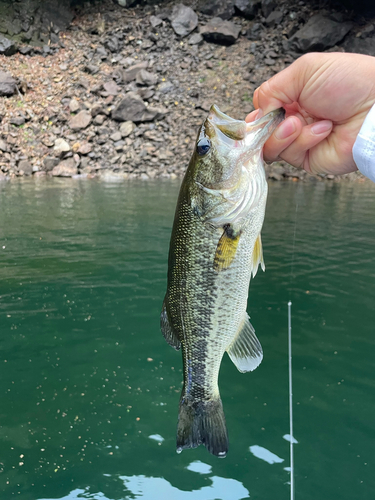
[(364, 146)]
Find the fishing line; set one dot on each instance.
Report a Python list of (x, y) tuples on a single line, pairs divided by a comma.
[(290, 401), (291, 435)]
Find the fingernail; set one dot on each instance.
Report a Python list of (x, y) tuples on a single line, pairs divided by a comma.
[(321, 127), (286, 129), (260, 114)]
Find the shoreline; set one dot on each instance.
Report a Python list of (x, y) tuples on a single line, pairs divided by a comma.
[(121, 93)]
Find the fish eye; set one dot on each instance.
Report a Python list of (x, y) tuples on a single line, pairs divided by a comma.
[(203, 146)]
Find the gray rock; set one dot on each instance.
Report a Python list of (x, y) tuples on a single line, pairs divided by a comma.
[(126, 3), (112, 44), (274, 18), (81, 120), (268, 6), (132, 108), (166, 87), (219, 31), (155, 21), (111, 87), (253, 33), (49, 163), (61, 146), (85, 148), (195, 39), (91, 68), (97, 109), (130, 73), (183, 19), (217, 8), (3, 146), (116, 136), (74, 105), (145, 78), (247, 8), (26, 167), (17, 120), (126, 128), (319, 33), (7, 84), (7, 47), (99, 119), (360, 46), (66, 168)]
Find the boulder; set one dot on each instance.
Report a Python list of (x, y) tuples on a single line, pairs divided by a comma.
[(247, 8), (183, 19), (66, 168), (219, 31), (217, 8), (7, 84), (80, 120), (7, 47), (319, 33), (132, 108)]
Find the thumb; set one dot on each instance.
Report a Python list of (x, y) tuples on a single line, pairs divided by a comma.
[(283, 88)]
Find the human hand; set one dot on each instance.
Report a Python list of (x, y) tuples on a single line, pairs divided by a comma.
[(326, 97)]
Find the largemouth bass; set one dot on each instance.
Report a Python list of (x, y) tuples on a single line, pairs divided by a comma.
[(215, 248)]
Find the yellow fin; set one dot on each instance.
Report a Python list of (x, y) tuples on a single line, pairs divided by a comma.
[(226, 249), (257, 257)]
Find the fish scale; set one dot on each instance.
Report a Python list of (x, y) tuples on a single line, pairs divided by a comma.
[(215, 247)]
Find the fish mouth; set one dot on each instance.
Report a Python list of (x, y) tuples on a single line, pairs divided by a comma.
[(259, 131), (254, 134)]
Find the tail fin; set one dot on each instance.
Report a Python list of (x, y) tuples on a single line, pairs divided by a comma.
[(202, 422)]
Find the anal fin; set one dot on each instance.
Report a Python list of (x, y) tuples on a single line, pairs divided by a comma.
[(245, 351), (167, 330)]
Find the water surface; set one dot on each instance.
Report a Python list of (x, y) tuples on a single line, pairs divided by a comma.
[(89, 388)]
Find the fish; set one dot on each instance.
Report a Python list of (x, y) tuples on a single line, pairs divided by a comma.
[(215, 249)]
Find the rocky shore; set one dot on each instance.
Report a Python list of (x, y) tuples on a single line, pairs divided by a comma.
[(117, 92)]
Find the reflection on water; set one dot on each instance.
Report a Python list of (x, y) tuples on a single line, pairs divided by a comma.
[(158, 488), (89, 389), (264, 454)]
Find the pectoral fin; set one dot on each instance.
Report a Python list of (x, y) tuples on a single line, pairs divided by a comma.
[(257, 257), (226, 249), (167, 330), (245, 351)]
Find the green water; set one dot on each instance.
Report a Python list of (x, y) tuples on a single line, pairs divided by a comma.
[(89, 388)]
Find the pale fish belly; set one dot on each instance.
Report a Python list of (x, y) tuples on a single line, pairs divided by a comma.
[(229, 308)]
